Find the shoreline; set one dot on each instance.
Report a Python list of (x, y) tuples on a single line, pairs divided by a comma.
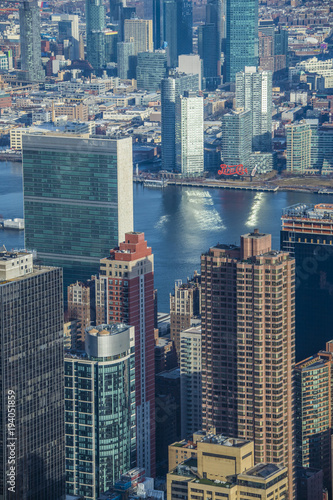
[(271, 187)]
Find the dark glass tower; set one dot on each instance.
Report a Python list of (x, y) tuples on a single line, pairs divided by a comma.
[(32, 443), (184, 27), (95, 25), (172, 27), (241, 36), (307, 234), (78, 199), (31, 58)]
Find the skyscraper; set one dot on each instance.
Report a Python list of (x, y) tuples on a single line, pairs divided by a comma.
[(126, 60), (100, 410), (184, 306), (190, 381), (313, 404), (128, 275), (173, 28), (69, 30), (184, 27), (241, 36), (95, 26), (307, 234), (140, 32), (81, 307), (254, 93), (248, 346), (298, 147), (237, 137), (78, 199), (172, 87), (207, 48), (32, 379), (273, 48), (31, 58), (151, 69), (189, 134)]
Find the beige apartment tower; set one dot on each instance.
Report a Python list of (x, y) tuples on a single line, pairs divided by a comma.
[(248, 346), (140, 32)]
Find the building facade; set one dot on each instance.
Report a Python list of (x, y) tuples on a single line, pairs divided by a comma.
[(224, 467), (254, 93), (125, 60), (81, 307), (69, 30), (189, 134), (307, 234), (184, 305), (32, 380), (128, 275), (190, 381), (313, 403), (248, 346), (237, 138), (30, 42), (100, 410), (298, 147), (95, 26), (140, 32), (241, 47), (77, 192), (150, 70), (172, 87)]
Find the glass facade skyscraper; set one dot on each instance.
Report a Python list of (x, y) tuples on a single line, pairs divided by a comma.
[(100, 410), (95, 25), (151, 69), (31, 56), (32, 380), (78, 199), (241, 36), (172, 87)]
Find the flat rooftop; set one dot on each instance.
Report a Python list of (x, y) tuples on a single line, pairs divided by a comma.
[(263, 471), (107, 330)]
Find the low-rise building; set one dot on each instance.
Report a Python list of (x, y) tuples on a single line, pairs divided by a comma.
[(224, 468)]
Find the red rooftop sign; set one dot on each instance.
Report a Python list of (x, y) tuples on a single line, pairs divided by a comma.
[(232, 170)]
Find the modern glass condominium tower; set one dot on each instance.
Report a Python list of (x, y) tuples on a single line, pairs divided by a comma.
[(32, 380), (78, 199), (100, 410), (241, 36), (95, 22), (31, 57)]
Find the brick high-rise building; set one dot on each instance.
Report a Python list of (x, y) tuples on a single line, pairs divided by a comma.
[(128, 275), (248, 346)]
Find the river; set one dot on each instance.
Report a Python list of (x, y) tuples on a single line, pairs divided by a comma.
[(179, 223)]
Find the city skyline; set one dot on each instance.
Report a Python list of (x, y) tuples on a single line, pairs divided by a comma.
[(165, 307)]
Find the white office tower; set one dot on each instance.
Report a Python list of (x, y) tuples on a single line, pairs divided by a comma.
[(189, 135), (254, 93)]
